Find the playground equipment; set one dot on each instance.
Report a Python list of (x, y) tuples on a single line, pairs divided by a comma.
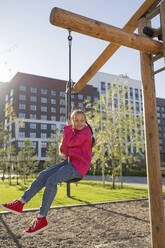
[(150, 51)]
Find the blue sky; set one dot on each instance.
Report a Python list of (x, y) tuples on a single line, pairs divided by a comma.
[(30, 44)]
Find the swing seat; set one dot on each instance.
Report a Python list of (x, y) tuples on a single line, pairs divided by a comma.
[(74, 180)]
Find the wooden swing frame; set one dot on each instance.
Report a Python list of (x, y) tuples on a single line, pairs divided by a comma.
[(150, 51)]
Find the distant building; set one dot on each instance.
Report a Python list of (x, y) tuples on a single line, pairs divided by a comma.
[(161, 126), (40, 102)]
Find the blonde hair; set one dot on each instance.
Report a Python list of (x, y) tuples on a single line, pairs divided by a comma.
[(77, 111)]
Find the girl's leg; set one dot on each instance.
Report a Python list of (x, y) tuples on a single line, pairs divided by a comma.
[(64, 173), (40, 181)]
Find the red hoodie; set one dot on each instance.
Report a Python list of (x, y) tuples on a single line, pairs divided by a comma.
[(77, 145)]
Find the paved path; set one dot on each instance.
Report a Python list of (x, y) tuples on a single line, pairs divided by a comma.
[(134, 181)]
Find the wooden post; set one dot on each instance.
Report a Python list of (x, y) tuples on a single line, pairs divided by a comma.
[(87, 26), (162, 19), (152, 150)]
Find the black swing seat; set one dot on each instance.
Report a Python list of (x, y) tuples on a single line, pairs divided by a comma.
[(74, 180)]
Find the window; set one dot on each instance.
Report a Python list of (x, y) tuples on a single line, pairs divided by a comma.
[(163, 109), (43, 100), (22, 106), (44, 91), (158, 108), (89, 98), (34, 144), (21, 115), (62, 110), (43, 117), (163, 115), (103, 86), (53, 126), (33, 116), (33, 89), (62, 93), (158, 114), (43, 126), (137, 107), (43, 144), (62, 102), (33, 107), (72, 96), (53, 118), (33, 125), (43, 135), (22, 88), (21, 134), (32, 135), (62, 118), (22, 97), (80, 96), (136, 94), (53, 101), (131, 93), (33, 98), (53, 92), (80, 104), (53, 109), (6, 98), (20, 144), (43, 109)]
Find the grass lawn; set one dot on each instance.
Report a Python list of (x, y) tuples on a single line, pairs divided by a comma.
[(84, 192)]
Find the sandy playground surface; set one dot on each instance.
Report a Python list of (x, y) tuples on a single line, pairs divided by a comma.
[(112, 225)]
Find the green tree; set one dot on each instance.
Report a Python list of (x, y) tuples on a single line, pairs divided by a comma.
[(53, 155), (4, 139), (27, 160), (119, 137)]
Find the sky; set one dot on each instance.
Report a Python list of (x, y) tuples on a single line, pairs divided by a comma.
[(30, 44)]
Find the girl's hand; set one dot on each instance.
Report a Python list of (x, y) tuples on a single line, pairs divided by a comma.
[(69, 122)]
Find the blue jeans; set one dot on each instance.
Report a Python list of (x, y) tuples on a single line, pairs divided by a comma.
[(49, 178)]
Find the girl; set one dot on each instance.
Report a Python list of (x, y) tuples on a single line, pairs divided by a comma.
[(77, 148)]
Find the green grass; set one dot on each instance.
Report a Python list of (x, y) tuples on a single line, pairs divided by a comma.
[(84, 192)]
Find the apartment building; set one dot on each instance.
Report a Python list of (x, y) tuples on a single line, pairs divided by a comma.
[(160, 102), (40, 103)]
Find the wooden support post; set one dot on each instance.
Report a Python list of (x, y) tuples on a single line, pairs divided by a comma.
[(162, 19), (152, 150), (87, 26)]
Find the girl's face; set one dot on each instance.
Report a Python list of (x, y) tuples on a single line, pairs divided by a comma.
[(78, 121)]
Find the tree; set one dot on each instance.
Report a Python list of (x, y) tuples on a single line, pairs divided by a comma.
[(118, 131), (27, 160), (4, 139), (53, 155)]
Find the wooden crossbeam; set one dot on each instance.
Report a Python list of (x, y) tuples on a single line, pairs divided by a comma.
[(131, 25), (93, 28)]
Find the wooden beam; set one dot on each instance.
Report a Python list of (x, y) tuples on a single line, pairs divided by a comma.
[(156, 207), (131, 25), (93, 28), (162, 19)]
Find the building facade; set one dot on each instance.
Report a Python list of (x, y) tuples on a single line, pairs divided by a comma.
[(40, 103)]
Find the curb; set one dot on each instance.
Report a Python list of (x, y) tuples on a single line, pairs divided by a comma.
[(78, 205)]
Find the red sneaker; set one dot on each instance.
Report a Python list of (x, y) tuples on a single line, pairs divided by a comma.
[(15, 206), (38, 225)]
